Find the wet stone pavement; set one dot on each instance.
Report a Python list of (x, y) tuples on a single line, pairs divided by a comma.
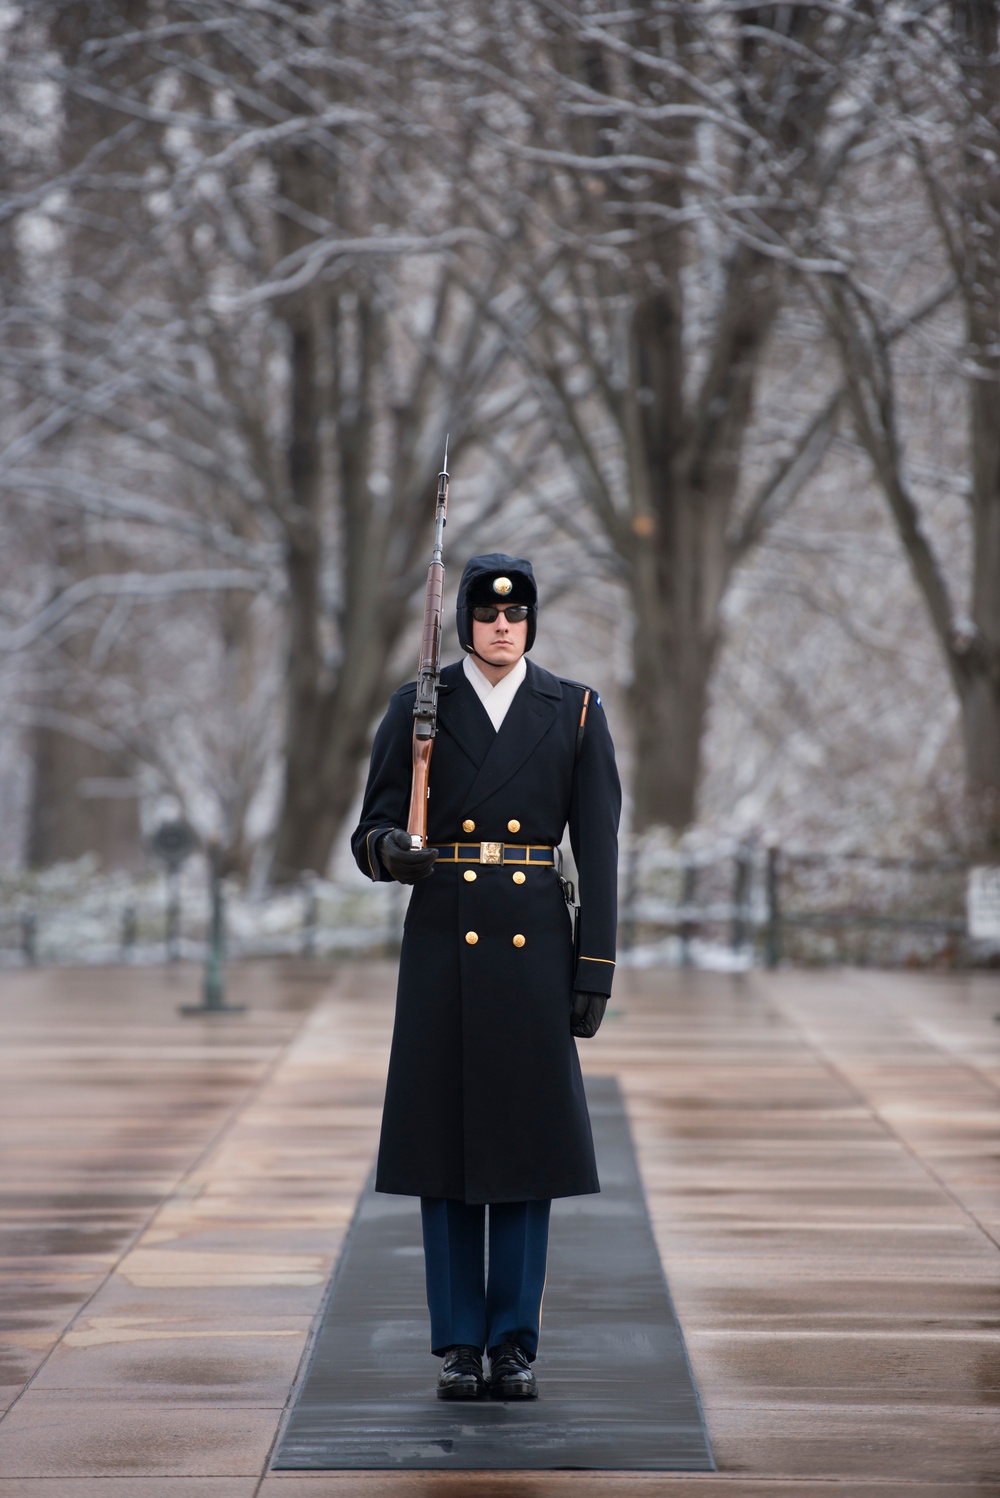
[(820, 1152)]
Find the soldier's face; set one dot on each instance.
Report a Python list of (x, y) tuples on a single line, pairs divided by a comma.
[(500, 643)]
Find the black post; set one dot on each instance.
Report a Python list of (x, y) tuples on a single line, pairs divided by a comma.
[(128, 933), (173, 842), (29, 937), (773, 908), (214, 985), (689, 888), (742, 871), (214, 981), (310, 917), (174, 913), (631, 894)]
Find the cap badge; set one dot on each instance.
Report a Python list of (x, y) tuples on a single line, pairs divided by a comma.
[(502, 585)]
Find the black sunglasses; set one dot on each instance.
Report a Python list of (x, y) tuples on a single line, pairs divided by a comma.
[(513, 613)]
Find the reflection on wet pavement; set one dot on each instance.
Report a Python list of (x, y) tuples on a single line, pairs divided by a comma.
[(820, 1153)]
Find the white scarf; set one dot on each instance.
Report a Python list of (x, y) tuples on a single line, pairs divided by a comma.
[(496, 699)]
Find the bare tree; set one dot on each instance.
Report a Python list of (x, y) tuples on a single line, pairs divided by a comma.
[(286, 246), (942, 104), (287, 319), (63, 820), (648, 159)]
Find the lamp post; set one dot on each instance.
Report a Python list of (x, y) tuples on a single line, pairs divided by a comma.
[(173, 843), (213, 990)]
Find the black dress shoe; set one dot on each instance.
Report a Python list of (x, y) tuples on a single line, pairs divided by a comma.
[(461, 1375), (510, 1373)]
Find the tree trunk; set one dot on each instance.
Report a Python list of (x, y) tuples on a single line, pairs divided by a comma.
[(334, 689), (322, 771), (978, 26), (981, 739), (327, 723), (297, 847), (63, 823), (980, 666), (684, 469), (676, 418), (668, 702), (970, 649), (356, 551), (964, 194)]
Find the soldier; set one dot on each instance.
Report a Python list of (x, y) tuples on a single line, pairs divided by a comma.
[(484, 1099)]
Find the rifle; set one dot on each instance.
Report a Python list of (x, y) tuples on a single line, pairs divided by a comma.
[(428, 671)]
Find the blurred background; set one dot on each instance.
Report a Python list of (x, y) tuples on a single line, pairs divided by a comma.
[(707, 296)]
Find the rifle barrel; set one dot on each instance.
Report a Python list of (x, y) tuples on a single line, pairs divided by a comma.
[(428, 670)]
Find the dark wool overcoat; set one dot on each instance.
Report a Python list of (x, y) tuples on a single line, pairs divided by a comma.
[(484, 1098)]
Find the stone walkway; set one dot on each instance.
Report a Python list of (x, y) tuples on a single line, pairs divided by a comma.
[(821, 1154)]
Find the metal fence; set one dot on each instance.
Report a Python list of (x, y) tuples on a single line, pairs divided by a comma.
[(727, 904), (73, 915), (743, 903)]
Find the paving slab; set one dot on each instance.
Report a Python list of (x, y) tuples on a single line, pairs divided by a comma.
[(161, 1362), (599, 1485), (937, 1441), (819, 1155), (128, 1487), (87, 1433)]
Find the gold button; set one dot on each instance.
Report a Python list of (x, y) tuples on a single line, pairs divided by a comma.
[(518, 941), (471, 938), (470, 876), (513, 825), (519, 878), (468, 825)]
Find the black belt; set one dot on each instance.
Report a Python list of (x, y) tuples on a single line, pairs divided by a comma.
[(538, 853)]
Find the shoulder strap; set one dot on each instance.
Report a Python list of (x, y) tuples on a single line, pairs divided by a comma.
[(583, 720)]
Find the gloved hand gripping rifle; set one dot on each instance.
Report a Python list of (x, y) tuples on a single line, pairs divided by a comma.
[(428, 671)]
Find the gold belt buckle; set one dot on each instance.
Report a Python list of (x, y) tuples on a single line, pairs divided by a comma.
[(491, 852)]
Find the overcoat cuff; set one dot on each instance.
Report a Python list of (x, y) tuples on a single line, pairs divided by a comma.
[(376, 869), (593, 975)]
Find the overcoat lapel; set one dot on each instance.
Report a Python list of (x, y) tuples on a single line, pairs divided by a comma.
[(529, 718), (463, 715)]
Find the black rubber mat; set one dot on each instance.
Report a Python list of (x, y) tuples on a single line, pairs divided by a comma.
[(616, 1388)]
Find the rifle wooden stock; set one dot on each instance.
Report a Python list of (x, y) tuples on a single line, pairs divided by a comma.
[(416, 824)]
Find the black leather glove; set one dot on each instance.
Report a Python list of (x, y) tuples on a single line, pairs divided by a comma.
[(587, 1013), (404, 863)]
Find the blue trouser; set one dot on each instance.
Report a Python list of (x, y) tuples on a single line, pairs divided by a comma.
[(466, 1307)]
